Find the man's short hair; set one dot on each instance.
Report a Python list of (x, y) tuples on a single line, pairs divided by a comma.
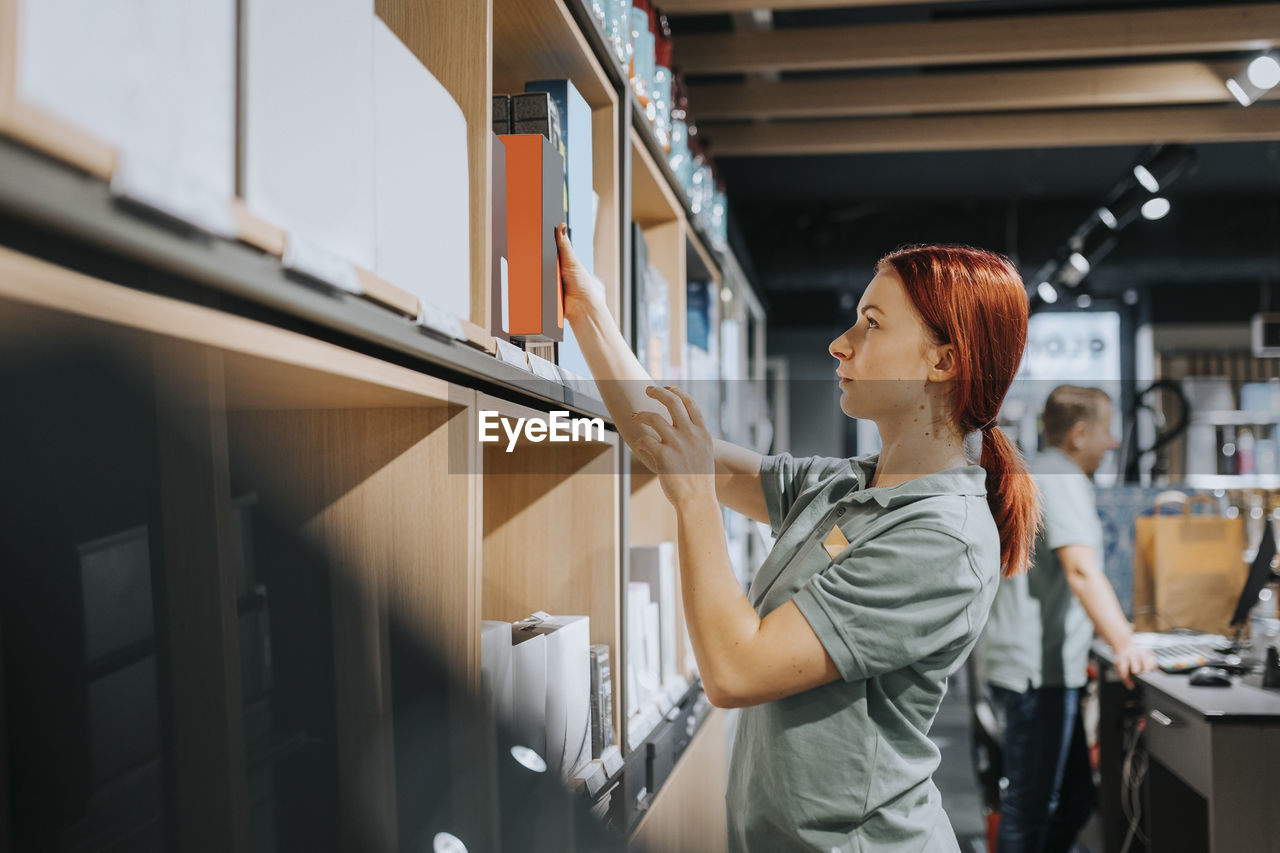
[(1069, 405)]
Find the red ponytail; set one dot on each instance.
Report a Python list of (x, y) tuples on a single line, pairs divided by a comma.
[(975, 300)]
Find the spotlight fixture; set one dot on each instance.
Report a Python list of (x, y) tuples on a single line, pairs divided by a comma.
[(1148, 180), (1084, 300), (1259, 77), (1155, 208), (529, 759), (1121, 207), (1237, 91), (1164, 167), (1047, 292), (1264, 72), (1079, 262)]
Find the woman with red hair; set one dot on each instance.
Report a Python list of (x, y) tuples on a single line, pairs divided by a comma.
[(884, 567)]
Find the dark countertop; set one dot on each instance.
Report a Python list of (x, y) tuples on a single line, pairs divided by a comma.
[(1244, 701)]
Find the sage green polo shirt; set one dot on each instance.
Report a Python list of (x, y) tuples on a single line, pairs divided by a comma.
[(1039, 633), (847, 766)]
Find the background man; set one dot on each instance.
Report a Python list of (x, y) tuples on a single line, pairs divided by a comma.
[(1037, 638)]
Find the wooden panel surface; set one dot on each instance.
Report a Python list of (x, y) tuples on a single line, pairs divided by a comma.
[(1065, 129), (210, 801), (374, 488), (1129, 85), (551, 533), (653, 201), (1027, 38), (540, 40), (268, 368)]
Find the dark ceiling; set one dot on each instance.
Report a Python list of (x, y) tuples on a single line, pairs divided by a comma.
[(812, 226)]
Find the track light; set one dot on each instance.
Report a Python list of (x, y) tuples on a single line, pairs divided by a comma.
[(1079, 263), (1084, 300), (1264, 72), (1122, 206), (1164, 167), (1156, 208), (1261, 76), (1237, 91), (1148, 180), (1047, 292)]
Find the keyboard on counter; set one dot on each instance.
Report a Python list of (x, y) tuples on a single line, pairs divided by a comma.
[(1186, 652)]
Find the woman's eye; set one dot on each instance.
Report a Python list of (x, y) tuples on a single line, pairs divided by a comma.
[(872, 324)]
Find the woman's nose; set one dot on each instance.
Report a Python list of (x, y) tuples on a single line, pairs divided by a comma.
[(840, 347)]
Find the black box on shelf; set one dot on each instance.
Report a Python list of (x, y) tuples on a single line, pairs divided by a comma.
[(536, 112), (501, 114)]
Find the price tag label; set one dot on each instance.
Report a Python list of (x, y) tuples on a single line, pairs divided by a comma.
[(512, 354), (174, 195), (439, 321), (310, 259)]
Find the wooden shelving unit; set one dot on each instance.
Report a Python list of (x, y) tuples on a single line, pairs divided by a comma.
[(355, 432)]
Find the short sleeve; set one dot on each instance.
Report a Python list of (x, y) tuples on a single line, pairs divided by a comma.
[(784, 478), (1067, 510), (893, 601)]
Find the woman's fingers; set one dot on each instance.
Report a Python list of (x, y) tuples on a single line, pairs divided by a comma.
[(657, 423), (691, 405), (675, 405)]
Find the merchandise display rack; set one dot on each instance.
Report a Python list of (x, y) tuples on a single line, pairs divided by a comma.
[(360, 427)]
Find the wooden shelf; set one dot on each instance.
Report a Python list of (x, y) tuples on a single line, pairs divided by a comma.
[(700, 262), (356, 429), (78, 210), (540, 40), (653, 201), (551, 523)]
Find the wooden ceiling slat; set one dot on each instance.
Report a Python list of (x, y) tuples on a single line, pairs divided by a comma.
[(1060, 129), (1145, 84), (1025, 38)]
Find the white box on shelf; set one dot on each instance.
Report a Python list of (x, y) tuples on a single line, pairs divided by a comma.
[(421, 184), (653, 649), (495, 669), (306, 132), (640, 686), (529, 690), (156, 81), (656, 566), (568, 688)]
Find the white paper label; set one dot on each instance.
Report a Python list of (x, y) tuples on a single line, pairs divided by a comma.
[(611, 757), (303, 256), (512, 354), (545, 369), (505, 310), (173, 195), (439, 321)]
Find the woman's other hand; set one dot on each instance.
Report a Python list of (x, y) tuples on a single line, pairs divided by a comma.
[(681, 450), (581, 288)]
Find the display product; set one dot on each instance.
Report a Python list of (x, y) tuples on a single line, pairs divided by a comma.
[(535, 207), (568, 689)]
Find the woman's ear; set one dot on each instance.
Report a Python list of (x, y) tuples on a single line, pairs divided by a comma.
[(944, 363)]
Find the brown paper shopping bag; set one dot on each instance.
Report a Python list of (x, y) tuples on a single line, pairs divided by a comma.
[(1188, 570)]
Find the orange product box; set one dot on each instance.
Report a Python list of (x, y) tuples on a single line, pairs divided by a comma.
[(535, 206)]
